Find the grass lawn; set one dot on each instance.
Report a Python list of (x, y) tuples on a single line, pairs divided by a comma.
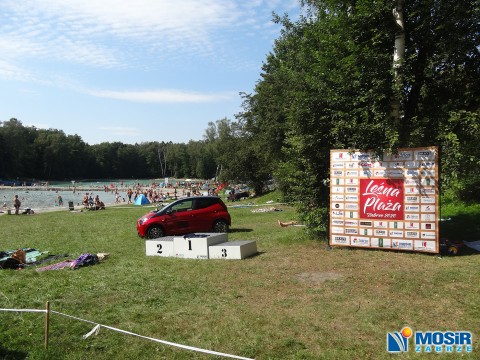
[(295, 300)]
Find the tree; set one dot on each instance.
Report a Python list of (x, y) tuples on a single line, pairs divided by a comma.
[(332, 85)]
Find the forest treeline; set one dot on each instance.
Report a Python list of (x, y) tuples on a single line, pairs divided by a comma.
[(49, 154), (363, 74)]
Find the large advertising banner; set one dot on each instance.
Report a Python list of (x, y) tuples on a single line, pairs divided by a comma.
[(386, 201)]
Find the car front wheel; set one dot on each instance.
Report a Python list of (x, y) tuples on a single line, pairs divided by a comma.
[(220, 226), (155, 232)]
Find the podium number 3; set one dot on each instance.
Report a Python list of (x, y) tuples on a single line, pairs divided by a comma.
[(224, 252)]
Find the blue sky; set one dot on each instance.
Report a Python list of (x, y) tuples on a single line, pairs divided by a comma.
[(132, 71)]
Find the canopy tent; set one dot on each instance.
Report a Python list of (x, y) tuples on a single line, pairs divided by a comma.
[(141, 200)]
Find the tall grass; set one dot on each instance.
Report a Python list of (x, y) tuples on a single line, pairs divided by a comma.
[(295, 300)]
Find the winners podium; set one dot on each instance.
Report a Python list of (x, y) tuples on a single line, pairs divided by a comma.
[(201, 246)]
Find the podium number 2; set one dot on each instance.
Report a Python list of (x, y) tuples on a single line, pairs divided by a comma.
[(159, 246), (224, 252)]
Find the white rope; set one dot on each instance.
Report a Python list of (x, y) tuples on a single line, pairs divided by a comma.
[(24, 310), (96, 329)]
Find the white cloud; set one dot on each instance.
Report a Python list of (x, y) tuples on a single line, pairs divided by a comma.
[(90, 29), (161, 96), (46, 40)]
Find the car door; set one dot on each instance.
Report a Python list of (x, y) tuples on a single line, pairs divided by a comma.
[(180, 218), (202, 219)]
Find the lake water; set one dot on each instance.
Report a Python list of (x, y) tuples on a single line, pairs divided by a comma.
[(42, 197), (48, 199)]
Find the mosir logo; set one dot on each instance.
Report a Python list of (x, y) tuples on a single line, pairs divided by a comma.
[(381, 199)]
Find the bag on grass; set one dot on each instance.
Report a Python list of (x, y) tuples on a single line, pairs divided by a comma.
[(84, 260)]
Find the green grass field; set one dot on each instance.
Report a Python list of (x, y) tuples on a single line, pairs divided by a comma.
[(295, 300)]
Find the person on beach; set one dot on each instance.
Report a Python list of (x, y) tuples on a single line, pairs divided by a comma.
[(99, 205), (16, 204), (85, 200), (288, 223)]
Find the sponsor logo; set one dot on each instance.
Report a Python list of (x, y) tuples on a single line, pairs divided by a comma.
[(425, 245), (424, 155), (380, 224), (426, 173), (427, 200), (363, 156), (337, 165), (381, 173), (352, 189), (395, 173), (411, 181), (360, 241), (425, 191), (397, 342), (403, 155), (366, 164), (430, 341), (399, 244), (340, 239), (443, 342), (427, 164), (351, 206), (428, 235), (365, 223), (351, 231), (381, 198), (396, 233), (411, 199), (428, 208)]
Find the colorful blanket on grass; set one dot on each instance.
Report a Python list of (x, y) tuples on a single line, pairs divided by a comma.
[(57, 266)]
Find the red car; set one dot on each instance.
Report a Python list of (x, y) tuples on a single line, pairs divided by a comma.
[(185, 216)]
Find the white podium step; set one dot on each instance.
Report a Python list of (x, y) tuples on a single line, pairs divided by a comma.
[(239, 249), (160, 247), (196, 246)]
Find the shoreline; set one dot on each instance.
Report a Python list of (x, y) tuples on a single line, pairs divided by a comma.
[(76, 208)]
